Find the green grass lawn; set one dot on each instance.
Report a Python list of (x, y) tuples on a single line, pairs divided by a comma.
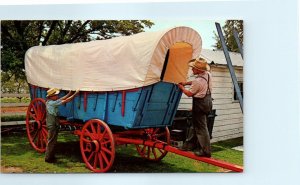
[(16, 152)]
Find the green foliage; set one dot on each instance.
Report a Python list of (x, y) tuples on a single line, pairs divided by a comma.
[(228, 34), (18, 36), (16, 152), (13, 118), (15, 100), (13, 82)]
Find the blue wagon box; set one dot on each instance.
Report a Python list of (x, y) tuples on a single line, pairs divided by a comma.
[(151, 106)]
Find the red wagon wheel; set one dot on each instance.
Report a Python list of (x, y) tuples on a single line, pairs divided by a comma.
[(157, 135), (97, 146), (36, 124)]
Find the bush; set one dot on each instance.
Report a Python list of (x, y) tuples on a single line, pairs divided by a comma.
[(15, 100), (13, 118)]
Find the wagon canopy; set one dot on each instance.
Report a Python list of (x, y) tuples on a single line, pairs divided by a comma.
[(116, 64)]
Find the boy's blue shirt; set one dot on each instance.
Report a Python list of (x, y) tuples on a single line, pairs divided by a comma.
[(52, 106)]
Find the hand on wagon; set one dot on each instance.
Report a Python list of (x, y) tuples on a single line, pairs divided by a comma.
[(69, 97), (185, 83)]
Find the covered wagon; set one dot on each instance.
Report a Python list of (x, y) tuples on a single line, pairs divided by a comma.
[(128, 91)]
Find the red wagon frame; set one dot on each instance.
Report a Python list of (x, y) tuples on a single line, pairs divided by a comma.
[(98, 142)]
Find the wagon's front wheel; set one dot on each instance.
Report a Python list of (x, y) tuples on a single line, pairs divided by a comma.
[(97, 146), (161, 135), (36, 124)]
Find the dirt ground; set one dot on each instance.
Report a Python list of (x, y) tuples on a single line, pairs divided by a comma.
[(11, 170)]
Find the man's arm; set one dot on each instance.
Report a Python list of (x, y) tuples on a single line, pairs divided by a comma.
[(186, 92), (186, 83), (66, 96), (69, 98)]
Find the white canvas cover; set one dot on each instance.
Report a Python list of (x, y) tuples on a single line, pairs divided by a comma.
[(106, 65)]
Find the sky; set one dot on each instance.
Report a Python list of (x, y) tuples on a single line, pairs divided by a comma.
[(205, 28)]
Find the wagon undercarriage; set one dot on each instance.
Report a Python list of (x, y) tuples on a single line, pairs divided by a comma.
[(98, 142)]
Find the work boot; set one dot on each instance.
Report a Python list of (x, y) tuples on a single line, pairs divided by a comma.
[(50, 160), (201, 153), (187, 146)]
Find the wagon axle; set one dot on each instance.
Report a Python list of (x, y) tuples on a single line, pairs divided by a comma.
[(37, 125), (93, 146)]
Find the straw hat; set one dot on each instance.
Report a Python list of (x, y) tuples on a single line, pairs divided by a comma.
[(200, 64), (52, 92)]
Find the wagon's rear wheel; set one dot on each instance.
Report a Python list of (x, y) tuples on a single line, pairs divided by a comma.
[(97, 146), (156, 135), (36, 124)]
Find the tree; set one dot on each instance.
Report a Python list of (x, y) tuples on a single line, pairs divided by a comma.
[(228, 34), (18, 36), (12, 85)]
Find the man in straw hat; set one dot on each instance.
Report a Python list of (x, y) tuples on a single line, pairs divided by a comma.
[(200, 90), (52, 120)]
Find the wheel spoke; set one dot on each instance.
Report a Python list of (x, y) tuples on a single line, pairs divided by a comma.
[(155, 131), (31, 128), (35, 134), (40, 110), (38, 139), (144, 149), (87, 150), (100, 160), (44, 132), (159, 141), (41, 140), (89, 134), (106, 150), (86, 140), (148, 154), (38, 106), (104, 157), (154, 153), (93, 128), (161, 151), (91, 155), (33, 116), (102, 136), (35, 111), (44, 136), (98, 129), (95, 161), (43, 115), (160, 135), (105, 142)]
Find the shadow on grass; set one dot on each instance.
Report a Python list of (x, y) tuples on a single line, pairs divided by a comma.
[(128, 160), (16, 147)]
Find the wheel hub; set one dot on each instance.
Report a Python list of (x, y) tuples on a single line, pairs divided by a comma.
[(37, 125), (96, 145)]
